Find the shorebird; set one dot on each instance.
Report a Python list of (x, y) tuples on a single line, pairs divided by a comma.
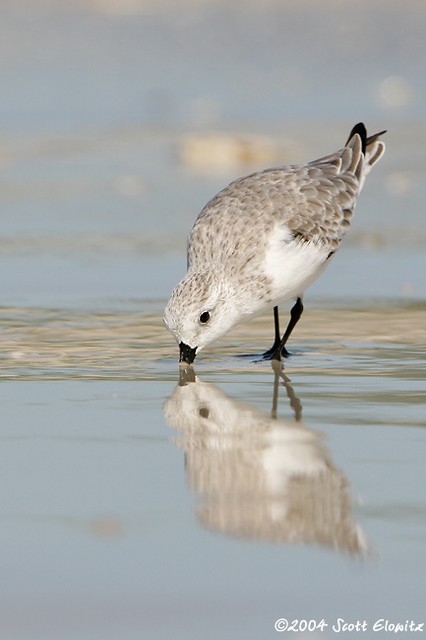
[(263, 240)]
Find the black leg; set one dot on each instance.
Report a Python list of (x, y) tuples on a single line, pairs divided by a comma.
[(268, 354), (295, 313)]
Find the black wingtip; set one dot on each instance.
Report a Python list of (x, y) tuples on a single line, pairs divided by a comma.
[(362, 132), (371, 139)]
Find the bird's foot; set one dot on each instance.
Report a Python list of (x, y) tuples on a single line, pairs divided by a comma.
[(275, 354)]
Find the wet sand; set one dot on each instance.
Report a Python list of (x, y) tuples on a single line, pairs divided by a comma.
[(62, 344)]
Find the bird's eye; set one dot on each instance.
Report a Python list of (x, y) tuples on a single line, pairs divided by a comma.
[(204, 317)]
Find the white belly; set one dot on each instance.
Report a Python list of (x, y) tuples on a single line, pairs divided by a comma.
[(293, 266)]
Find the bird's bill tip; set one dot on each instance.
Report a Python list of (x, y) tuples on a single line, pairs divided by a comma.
[(187, 354)]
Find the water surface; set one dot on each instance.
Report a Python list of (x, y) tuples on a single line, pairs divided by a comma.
[(132, 504)]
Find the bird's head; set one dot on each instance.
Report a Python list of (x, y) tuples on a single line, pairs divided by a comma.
[(201, 308)]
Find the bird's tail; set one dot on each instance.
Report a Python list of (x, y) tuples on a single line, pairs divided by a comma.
[(366, 151)]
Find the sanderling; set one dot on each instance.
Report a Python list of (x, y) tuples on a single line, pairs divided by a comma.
[(263, 240)]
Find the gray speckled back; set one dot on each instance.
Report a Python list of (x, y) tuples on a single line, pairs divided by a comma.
[(315, 201)]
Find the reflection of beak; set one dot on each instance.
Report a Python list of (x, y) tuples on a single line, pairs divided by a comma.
[(186, 353), (186, 374)]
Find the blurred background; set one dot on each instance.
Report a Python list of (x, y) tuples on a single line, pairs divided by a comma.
[(120, 119)]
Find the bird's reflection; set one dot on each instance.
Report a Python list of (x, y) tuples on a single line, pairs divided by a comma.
[(259, 476)]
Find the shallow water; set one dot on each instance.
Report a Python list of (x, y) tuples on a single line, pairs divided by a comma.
[(132, 504)]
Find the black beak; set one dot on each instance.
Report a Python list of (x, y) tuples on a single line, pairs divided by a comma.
[(186, 353)]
